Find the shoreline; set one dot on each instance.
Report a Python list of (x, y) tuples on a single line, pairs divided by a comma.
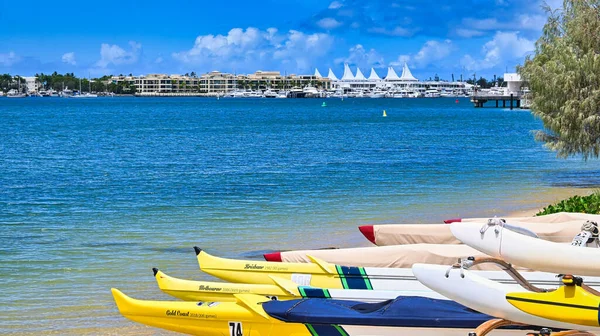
[(566, 193), (532, 204)]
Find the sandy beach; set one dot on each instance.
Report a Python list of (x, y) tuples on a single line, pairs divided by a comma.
[(539, 201)]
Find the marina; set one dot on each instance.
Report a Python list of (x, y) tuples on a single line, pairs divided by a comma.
[(271, 84)]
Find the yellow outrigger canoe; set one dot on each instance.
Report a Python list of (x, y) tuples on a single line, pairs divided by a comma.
[(208, 319), (254, 315), (317, 274), (190, 290), (569, 303), (280, 289)]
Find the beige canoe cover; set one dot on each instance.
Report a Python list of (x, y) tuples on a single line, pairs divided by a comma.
[(400, 256), (560, 229), (560, 217)]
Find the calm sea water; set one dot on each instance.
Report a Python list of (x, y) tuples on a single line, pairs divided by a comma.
[(94, 193)]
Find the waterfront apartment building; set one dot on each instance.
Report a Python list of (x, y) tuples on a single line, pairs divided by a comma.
[(218, 83)]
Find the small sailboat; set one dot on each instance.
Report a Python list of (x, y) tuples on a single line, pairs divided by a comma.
[(16, 93), (384, 114), (324, 104), (85, 95)]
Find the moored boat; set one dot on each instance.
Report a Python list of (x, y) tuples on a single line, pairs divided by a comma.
[(397, 256), (497, 240), (251, 315), (488, 296), (569, 303), (280, 289), (556, 228)]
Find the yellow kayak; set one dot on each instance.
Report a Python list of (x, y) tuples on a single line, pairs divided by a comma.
[(280, 289), (317, 274), (208, 319), (189, 290), (251, 315), (569, 303)]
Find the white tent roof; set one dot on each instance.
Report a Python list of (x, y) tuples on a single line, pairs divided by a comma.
[(373, 75), (359, 75), (347, 73), (332, 76), (317, 73), (406, 74), (391, 74)]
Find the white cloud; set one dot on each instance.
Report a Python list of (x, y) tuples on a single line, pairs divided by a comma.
[(253, 48), (397, 31), (9, 59), (302, 48), (335, 5), (533, 22), (483, 24), (400, 61), (113, 54), (504, 47), (69, 58), (468, 33), (360, 57), (158, 60), (433, 51), (328, 23)]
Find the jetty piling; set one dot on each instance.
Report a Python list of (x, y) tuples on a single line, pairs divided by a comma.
[(479, 100)]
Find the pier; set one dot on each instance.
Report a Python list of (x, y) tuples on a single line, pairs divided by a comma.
[(514, 101)]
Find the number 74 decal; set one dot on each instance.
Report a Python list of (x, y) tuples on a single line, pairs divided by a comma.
[(235, 329)]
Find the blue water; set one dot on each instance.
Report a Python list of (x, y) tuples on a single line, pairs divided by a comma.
[(93, 193)]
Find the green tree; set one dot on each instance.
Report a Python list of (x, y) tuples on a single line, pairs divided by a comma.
[(564, 78), (482, 82)]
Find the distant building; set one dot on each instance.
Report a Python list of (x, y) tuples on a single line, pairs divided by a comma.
[(392, 82), (32, 84), (513, 82), (215, 82)]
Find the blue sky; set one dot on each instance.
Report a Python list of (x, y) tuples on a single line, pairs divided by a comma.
[(441, 37)]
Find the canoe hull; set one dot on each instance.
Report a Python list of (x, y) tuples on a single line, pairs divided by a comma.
[(570, 304), (529, 252), (189, 290), (482, 294)]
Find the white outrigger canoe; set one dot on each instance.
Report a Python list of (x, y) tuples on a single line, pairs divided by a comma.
[(558, 229), (497, 240), (398, 256), (478, 292), (555, 218)]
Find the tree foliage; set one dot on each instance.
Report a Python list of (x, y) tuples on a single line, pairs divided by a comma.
[(585, 204), (59, 82), (564, 78)]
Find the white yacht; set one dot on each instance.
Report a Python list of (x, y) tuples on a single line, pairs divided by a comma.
[(252, 94), (282, 94), (432, 93), (15, 94), (378, 93), (66, 92), (312, 92), (270, 94), (236, 94), (84, 95), (339, 94)]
